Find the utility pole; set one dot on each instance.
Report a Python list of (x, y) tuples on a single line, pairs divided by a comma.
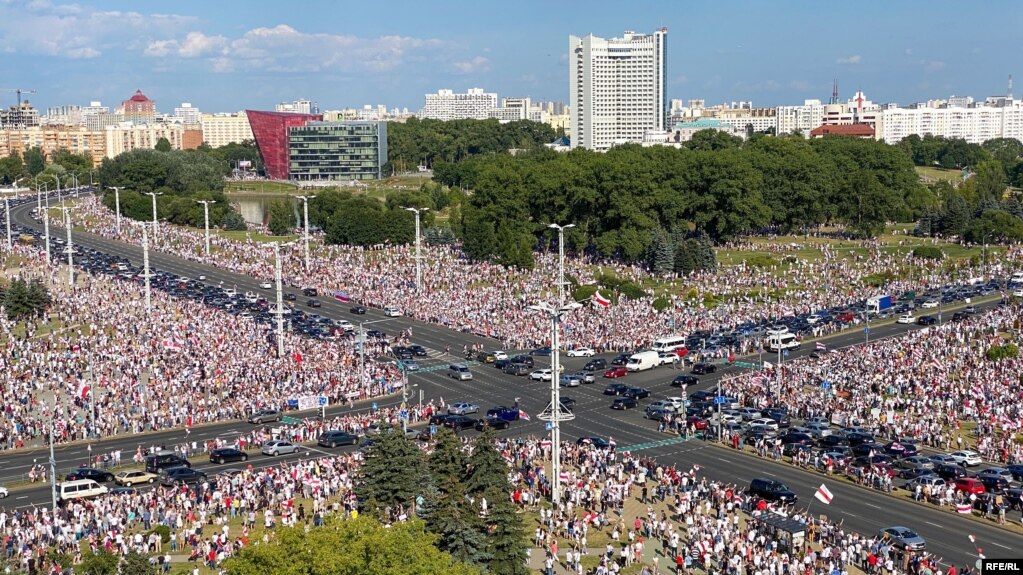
[(280, 299), (561, 259), (55, 177), (145, 267), (305, 219), (117, 205), (206, 220), (153, 194), (46, 228), (53, 470), (70, 248), (419, 257)]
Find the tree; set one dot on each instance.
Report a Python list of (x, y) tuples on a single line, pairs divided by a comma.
[(102, 562), (79, 164), (487, 469), (446, 510), (995, 226), (134, 563), (990, 180), (955, 215), (506, 534), (281, 215), (35, 161), (660, 253), (11, 168), (163, 145), (22, 300), (233, 221), (349, 547), (391, 474)]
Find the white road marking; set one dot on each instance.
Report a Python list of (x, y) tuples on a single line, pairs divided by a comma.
[(872, 505), (22, 497), (1000, 545), (934, 524)]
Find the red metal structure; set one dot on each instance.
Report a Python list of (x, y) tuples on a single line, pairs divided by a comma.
[(270, 129)]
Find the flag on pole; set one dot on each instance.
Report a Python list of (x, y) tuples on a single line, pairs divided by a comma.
[(824, 495), (821, 347), (83, 390), (768, 365), (600, 300), (523, 415), (172, 343)]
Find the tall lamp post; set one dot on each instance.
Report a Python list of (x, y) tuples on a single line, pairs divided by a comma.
[(145, 265), (419, 257), (7, 210), (305, 237), (561, 259), (555, 413), (153, 195), (206, 220), (56, 177), (46, 227), (117, 205), (70, 248), (280, 299)]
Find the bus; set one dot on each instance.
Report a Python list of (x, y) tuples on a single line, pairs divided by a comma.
[(674, 343)]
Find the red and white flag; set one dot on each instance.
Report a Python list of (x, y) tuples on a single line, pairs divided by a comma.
[(824, 495), (297, 356), (171, 343), (821, 347), (973, 539), (83, 390), (964, 508), (523, 415), (600, 300)]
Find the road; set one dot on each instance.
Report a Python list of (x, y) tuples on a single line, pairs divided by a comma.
[(862, 510)]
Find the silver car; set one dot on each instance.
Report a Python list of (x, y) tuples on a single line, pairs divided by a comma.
[(904, 537), (463, 408), (278, 447), (586, 376)]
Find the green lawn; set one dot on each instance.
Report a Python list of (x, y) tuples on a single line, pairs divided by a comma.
[(257, 187), (928, 173)]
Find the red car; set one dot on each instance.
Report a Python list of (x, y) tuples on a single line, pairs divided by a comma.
[(845, 317), (696, 422), (618, 371), (970, 485)]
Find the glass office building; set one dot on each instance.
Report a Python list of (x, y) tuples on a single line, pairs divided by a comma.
[(337, 151)]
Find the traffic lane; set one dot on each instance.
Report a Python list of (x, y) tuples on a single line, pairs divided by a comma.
[(862, 510)]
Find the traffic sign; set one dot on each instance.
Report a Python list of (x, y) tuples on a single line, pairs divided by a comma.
[(323, 401), (825, 385), (374, 406), (289, 420), (433, 429), (866, 329), (403, 414), (549, 426), (720, 400)]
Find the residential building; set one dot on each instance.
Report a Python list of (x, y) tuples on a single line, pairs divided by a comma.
[(855, 130), (101, 120), (188, 114), (447, 105), (975, 125), (23, 115), (300, 106), (513, 109), (617, 88), (337, 151), (270, 130), (63, 116), (790, 119), (138, 109), (223, 129), (53, 138), (128, 136)]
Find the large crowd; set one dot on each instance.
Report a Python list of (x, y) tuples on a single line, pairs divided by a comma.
[(385, 276), (98, 365)]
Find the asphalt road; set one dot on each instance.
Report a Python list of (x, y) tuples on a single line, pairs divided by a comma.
[(862, 510)]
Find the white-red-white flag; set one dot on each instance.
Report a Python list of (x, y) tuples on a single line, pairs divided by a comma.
[(824, 495), (600, 300)]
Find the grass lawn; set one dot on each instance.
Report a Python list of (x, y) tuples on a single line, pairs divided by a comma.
[(930, 173), (258, 187), (241, 236)]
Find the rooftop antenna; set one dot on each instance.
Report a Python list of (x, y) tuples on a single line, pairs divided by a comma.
[(834, 93)]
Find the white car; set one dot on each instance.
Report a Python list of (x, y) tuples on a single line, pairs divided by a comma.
[(463, 408), (392, 312), (667, 357), (967, 458), (929, 304), (3, 492), (344, 324), (541, 375), (678, 402), (266, 285), (906, 318), (201, 277), (766, 422), (581, 352), (500, 355), (1018, 293)]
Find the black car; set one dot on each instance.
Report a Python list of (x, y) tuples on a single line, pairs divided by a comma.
[(310, 292), (1016, 470), (418, 350), (265, 415), (402, 352), (568, 403), (593, 440), (517, 369), (595, 364), (375, 333), (914, 472), (225, 454), (502, 363), (438, 418), (867, 448), (950, 471), (621, 359), (524, 359), (334, 438), (994, 484), (685, 380), (90, 473), (781, 416), (637, 393), (165, 460), (615, 389), (926, 320), (313, 303), (857, 438), (624, 402), (541, 351), (829, 441), (289, 297), (179, 475), (357, 310), (771, 490), (503, 412), (460, 422), (704, 368), (493, 423), (800, 438)]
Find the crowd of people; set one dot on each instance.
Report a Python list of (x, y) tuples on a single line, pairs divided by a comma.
[(384, 276), (96, 364)]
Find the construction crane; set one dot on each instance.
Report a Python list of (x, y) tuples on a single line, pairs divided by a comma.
[(19, 91)]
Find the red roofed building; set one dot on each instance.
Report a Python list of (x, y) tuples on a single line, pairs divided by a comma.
[(270, 130), (855, 130), (139, 108)]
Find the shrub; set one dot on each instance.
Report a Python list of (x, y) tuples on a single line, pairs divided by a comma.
[(877, 280), (928, 252), (761, 261), (631, 290), (1000, 352), (585, 292), (662, 303), (163, 531)]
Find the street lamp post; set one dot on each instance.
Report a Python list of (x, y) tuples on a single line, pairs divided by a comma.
[(986, 236), (419, 257), (561, 259), (206, 220), (117, 205), (145, 265), (46, 228), (305, 237), (53, 470), (280, 298), (555, 413), (56, 177), (361, 340), (70, 248), (153, 195)]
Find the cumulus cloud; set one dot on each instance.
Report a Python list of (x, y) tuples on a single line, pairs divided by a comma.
[(854, 59), (193, 45), (477, 64)]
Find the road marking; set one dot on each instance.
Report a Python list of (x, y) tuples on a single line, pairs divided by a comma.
[(872, 505), (934, 524), (722, 459), (1000, 545), (22, 497)]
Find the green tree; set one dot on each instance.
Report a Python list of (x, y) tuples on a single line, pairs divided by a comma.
[(391, 474), (163, 145), (990, 180), (447, 511), (102, 562), (995, 226), (955, 216), (660, 253), (281, 216), (349, 547), (134, 563), (11, 168), (233, 221), (79, 164), (35, 161), (506, 534), (487, 469), (22, 300)]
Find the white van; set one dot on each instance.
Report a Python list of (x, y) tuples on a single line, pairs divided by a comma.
[(781, 341), (643, 361), (79, 489)]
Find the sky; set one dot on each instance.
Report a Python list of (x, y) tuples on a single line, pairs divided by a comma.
[(224, 55)]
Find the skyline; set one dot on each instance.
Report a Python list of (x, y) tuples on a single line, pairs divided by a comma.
[(222, 57)]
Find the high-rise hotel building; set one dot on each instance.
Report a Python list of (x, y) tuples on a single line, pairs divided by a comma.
[(617, 88)]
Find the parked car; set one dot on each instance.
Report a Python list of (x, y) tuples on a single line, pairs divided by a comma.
[(506, 413), (596, 364), (926, 320), (772, 491), (970, 485), (541, 375), (463, 408), (581, 352), (967, 458), (949, 472), (541, 351), (264, 416), (570, 380), (90, 473), (615, 389), (624, 402), (225, 454), (615, 372), (492, 423), (704, 368), (637, 392), (182, 475), (357, 310), (517, 369), (684, 380), (459, 422)]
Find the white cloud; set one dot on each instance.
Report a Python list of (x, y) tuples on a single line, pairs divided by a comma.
[(477, 64), (194, 45), (854, 59), (932, 65)]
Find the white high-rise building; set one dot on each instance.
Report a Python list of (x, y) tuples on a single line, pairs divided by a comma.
[(447, 105), (617, 88), (975, 125), (223, 129), (802, 118), (188, 114), (300, 106)]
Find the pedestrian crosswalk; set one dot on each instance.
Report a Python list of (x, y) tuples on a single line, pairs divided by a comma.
[(653, 444)]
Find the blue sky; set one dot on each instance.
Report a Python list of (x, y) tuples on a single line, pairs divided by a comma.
[(225, 55)]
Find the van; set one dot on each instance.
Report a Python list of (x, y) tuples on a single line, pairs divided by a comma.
[(79, 489), (459, 371), (643, 361), (163, 460), (780, 341)]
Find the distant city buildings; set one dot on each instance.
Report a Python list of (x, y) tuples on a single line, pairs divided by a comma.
[(474, 104), (23, 115), (300, 106), (187, 114), (331, 151), (223, 129), (617, 88), (138, 109)]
